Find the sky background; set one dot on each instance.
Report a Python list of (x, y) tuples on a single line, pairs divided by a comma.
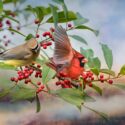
[(108, 16)]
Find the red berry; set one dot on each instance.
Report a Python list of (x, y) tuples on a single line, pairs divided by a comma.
[(1, 25), (38, 83), (16, 80), (38, 65), (48, 33), (8, 22), (12, 79), (49, 43), (36, 21), (62, 74), (26, 81), (44, 34), (37, 35), (90, 84), (69, 25), (42, 86), (58, 83), (44, 46), (101, 76), (52, 29), (110, 81)]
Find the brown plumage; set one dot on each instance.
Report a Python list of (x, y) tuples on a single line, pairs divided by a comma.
[(21, 55)]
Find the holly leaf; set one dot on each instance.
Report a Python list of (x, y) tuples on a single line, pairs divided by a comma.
[(70, 95), (23, 94), (61, 2), (1, 6), (107, 71), (48, 74), (29, 36), (13, 30), (120, 85), (6, 16), (95, 71), (97, 89), (61, 17), (38, 106), (101, 114), (80, 20), (107, 52), (88, 53), (96, 32), (55, 14), (79, 38), (122, 70)]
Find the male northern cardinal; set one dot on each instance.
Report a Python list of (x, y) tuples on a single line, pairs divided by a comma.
[(66, 60)]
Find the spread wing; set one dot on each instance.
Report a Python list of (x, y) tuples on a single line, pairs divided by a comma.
[(63, 52), (16, 53)]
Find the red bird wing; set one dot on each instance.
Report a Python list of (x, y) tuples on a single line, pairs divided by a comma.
[(63, 52)]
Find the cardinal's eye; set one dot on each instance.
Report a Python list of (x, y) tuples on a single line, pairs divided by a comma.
[(81, 60)]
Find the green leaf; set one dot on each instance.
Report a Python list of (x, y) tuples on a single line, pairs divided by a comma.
[(13, 30), (97, 63), (101, 114), (38, 106), (11, 18), (95, 71), (48, 74), (88, 53), (107, 71), (65, 10), (80, 20), (23, 94), (61, 2), (122, 70), (88, 98), (61, 17), (70, 95), (29, 37), (39, 12), (98, 89), (6, 66), (55, 14), (1, 6), (58, 1), (96, 32), (4, 92), (79, 38), (107, 52), (120, 86)]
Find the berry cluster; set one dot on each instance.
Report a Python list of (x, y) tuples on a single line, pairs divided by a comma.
[(64, 83), (46, 44), (25, 75), (88, 77)]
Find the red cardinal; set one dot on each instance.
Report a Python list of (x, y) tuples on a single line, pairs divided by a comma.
[(66, 61)]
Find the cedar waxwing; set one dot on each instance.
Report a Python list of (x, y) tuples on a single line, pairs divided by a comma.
[(65, 58), (21, 55)]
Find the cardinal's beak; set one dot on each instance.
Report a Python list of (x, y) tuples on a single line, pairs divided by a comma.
[(84, 60)]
